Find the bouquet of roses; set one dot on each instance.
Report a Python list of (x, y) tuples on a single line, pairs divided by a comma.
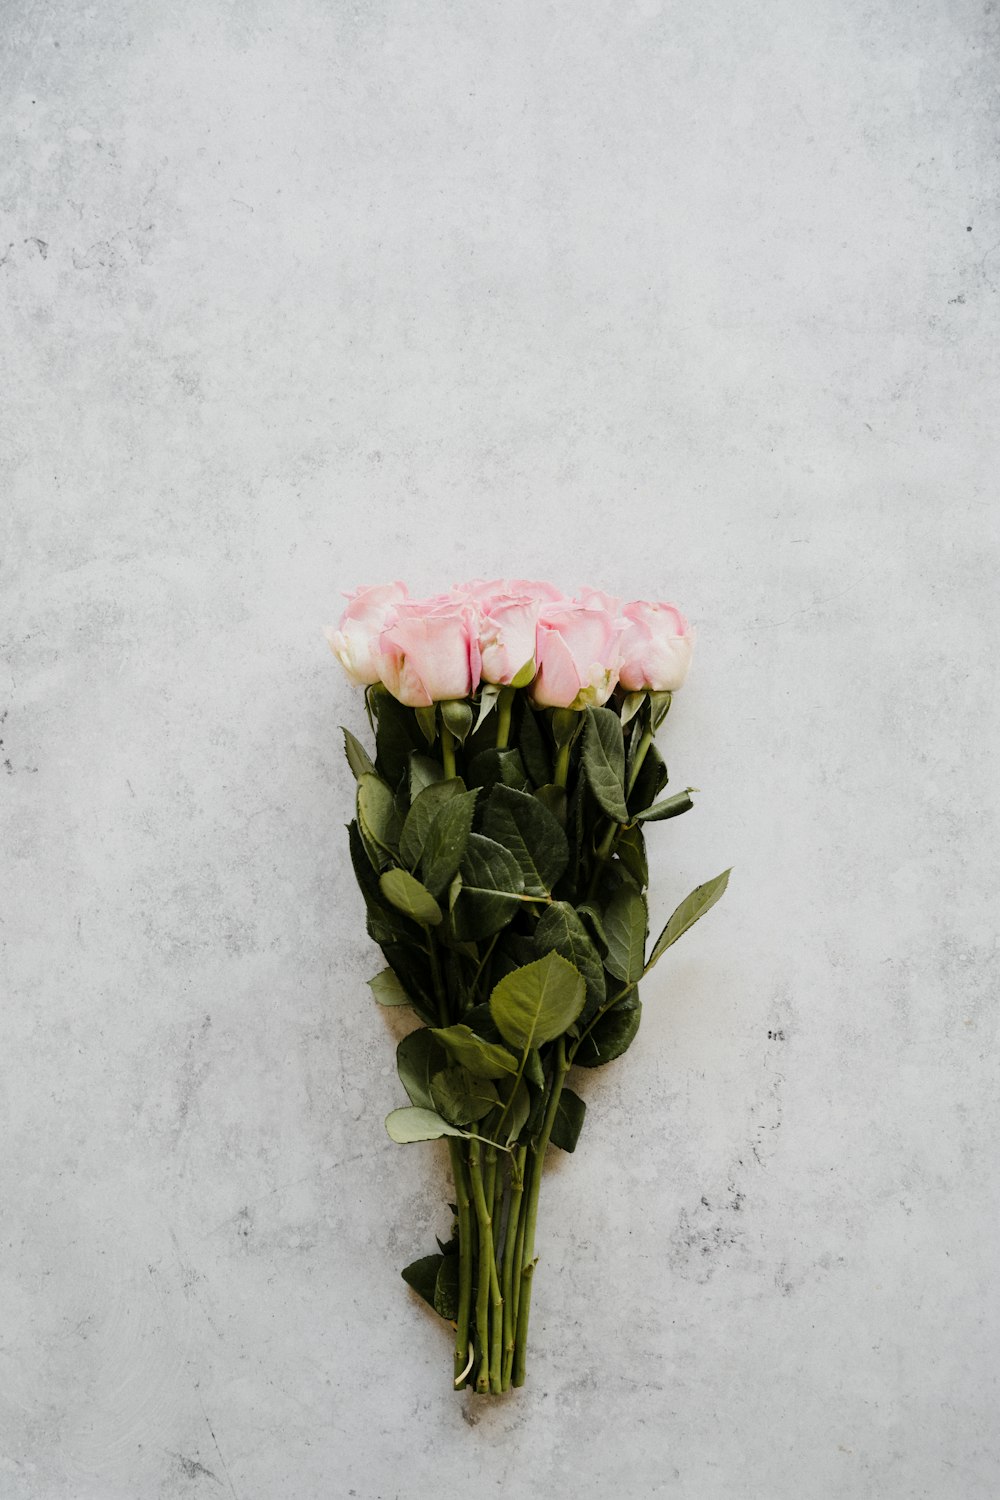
[(499, 844)]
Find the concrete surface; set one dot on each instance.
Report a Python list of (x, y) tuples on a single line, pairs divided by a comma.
[(693, 302)]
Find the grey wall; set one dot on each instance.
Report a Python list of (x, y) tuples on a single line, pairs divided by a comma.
[(689, 302)]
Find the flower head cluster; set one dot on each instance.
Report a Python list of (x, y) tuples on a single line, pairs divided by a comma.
[(569, 653)]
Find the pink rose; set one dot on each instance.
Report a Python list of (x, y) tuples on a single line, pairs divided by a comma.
[(355, 640), (430, 651), (506, 623), (526, 588), (595, 599), (576, 655), (536, 589), (656, 648)]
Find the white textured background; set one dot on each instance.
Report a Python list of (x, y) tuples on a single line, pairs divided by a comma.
[(693, 302)]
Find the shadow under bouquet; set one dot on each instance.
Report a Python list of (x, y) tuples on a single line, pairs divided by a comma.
[(499, 844)]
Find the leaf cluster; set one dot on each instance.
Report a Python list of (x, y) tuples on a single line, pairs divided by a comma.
[(511, 905), (500, 850)]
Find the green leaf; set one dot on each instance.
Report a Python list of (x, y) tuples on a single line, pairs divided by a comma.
[(529, 831), (446, 841), (631, 704), (415, 1124), (519, 1110), (451, 1246), (660, 706), (492, 766), (537, 1002), (524, 676), (561, 929), (568, 1122), (491, 889), (553, 798), (612, 1035), (423, 810), (604, 761), (485, 1059), (670, 807), (358, 758), (625, 926), (384, 923), (365, 873), (422, 1276), (377, 818), (534, 1069), (396, 734), (412, 898), (630, 847), (427, 719), (407, 957), (388, 990), (565, 726), (480, 1020), (424, 770), (701, 899), (581, 814), (457, 714), (418, 1057), (531, 743), (650, 781), (487, 702), (446, 1288), (462, 1097), (591, 914)]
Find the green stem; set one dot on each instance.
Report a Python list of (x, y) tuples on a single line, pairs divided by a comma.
[(505, 703), (483, 1290), (489, 1281), (466, 1254), (527, 1262), (494, 1198), (640, 756), (562, 765), (447, 750), (514, 1237)]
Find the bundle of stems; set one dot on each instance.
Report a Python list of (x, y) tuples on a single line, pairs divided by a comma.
[(500, 849)]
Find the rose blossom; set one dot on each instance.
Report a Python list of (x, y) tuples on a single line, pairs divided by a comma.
[(577, 654), (505, 621), (530, 588), (597, 599), (430, 651), (656, 648), (354, 642)]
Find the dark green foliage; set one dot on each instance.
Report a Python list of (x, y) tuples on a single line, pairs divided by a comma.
[(535, 752), (505, 767), (604, 761), (521, 824), (508, 895), (568, 1122), (612, 1034), (651, 780), (396, 734), (492, 885), (561, 928)]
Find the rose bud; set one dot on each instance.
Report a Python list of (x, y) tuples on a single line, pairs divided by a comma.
[(656, 648), (430, 651), (355, 641), (576, 656)]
